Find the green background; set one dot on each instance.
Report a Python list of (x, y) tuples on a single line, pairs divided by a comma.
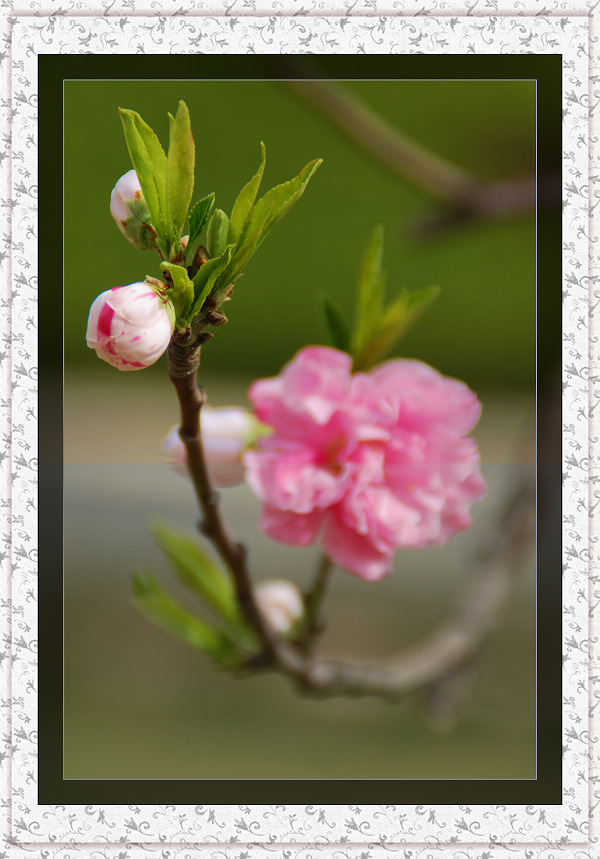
[(479, 328), (138, 705)]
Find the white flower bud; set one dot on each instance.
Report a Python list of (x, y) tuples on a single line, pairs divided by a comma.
[(128, 208), (130, 326), (225, 434), (280, 603)]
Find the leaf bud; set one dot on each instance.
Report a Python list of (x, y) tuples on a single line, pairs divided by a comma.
[(215, 317), (200, 257)]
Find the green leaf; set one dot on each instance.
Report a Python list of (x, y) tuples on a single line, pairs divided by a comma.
[(369, 296), (150, 163), (395, 321), (336, 325), (384, 337), (198, 571), (217, 232), (418, 301), (180, 171), (245, 200), (159, 607), (263, 217), (182, 291), (207, 276), (198, 216)]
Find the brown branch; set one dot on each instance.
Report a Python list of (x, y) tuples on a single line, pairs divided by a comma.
[(466, 197), (406, 158), (457, 643), (313, 601), (184, 360)]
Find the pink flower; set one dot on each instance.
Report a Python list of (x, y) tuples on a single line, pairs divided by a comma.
[(371, 462), (225, 434), (130, 326)]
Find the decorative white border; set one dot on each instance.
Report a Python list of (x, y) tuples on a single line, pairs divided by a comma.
[(294, 831)]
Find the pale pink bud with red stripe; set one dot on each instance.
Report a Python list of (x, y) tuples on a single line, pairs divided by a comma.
[(130, 326)]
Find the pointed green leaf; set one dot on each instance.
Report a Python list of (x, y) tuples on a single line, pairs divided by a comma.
[(182, 291), (418, 301), (217, 232), (198, 571), (180, 170), (245, 200), (263, 217), (336, 325), (159, 607), (198, 217), (384, 337), (150, 163), (369, 296), (395, 321), (206, 278)]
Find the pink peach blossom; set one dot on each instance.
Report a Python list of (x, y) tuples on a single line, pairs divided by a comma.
[(370, 463)]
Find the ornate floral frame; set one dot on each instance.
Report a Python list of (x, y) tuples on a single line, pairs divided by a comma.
[(98, 26)]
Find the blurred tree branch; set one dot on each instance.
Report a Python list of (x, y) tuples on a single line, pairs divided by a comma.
[(464, 197)]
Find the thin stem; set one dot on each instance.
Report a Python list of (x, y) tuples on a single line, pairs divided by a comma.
[(184, 360), (467, 197), (313, 601), (405, 157)]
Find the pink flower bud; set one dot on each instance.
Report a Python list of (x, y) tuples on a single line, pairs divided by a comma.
[(225, 434), (130, 326), (128, 208), (280, 603)]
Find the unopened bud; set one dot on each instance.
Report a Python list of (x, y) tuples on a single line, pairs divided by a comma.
[(280, 603), (130, 326), (226, 432), (128, 208)]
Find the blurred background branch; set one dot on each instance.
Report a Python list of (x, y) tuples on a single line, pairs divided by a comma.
[(464, 196)]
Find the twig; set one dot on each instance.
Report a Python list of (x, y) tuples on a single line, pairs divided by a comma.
[(403, 156), (313, 600), (455, 645), (466, 197), (184, 360)]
